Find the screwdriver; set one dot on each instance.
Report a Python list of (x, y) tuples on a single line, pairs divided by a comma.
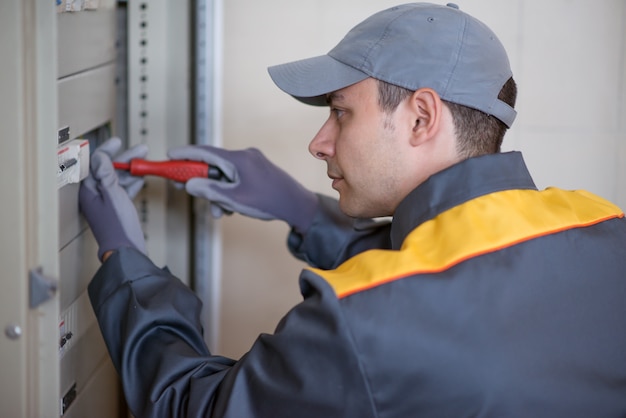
[(177, 170)]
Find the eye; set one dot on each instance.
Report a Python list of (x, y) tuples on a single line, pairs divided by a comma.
[(337, 112)]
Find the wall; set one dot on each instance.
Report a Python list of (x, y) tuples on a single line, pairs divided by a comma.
[(568, 57)]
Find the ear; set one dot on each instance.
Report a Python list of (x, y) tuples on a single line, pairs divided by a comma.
[(426, 109)]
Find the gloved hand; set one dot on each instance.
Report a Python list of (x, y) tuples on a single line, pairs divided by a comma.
[(253, 186), (108, 209), (112, 147)]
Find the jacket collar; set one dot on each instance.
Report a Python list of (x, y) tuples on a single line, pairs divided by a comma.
[(457, 184)]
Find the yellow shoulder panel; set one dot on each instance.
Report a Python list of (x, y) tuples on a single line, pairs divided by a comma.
[(482, 225)]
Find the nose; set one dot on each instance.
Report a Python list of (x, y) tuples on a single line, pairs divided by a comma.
[(322, 145)]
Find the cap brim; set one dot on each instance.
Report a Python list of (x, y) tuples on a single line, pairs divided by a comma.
[(310, 80)]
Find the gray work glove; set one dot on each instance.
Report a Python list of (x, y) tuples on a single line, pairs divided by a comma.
[(252, 186), (108, 208), (112, 147)]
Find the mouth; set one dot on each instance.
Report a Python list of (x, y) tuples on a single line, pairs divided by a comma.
[(336, 180)]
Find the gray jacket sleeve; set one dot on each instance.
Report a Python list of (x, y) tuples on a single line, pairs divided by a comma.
[(150, 323), (334, 236)]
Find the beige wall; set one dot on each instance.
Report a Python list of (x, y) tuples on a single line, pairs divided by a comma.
[(568, 57)]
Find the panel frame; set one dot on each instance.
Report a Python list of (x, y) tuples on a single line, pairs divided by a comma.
[(29, 116)]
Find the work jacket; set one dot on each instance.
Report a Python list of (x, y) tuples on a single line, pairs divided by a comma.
[(484, 297)]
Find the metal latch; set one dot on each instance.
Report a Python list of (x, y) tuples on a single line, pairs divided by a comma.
[(42, 287)]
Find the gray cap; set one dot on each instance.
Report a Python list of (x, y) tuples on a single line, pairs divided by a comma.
[(413, 46)]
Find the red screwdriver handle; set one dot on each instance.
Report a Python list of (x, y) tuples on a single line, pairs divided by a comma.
[(177, 170)]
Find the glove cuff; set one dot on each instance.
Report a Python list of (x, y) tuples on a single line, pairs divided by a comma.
[(302, 212)]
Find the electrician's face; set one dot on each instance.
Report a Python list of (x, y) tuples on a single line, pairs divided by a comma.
[(363, 151)]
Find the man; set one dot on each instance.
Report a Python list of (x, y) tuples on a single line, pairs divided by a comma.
[(483, 297)]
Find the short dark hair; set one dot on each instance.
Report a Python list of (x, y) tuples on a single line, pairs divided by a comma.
[(477, 132)]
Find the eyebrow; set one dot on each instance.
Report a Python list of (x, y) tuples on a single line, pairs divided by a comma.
[(334, 97)]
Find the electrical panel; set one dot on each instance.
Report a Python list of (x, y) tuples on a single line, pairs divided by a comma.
[(126, 72), (86, 87), (74, 74)]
